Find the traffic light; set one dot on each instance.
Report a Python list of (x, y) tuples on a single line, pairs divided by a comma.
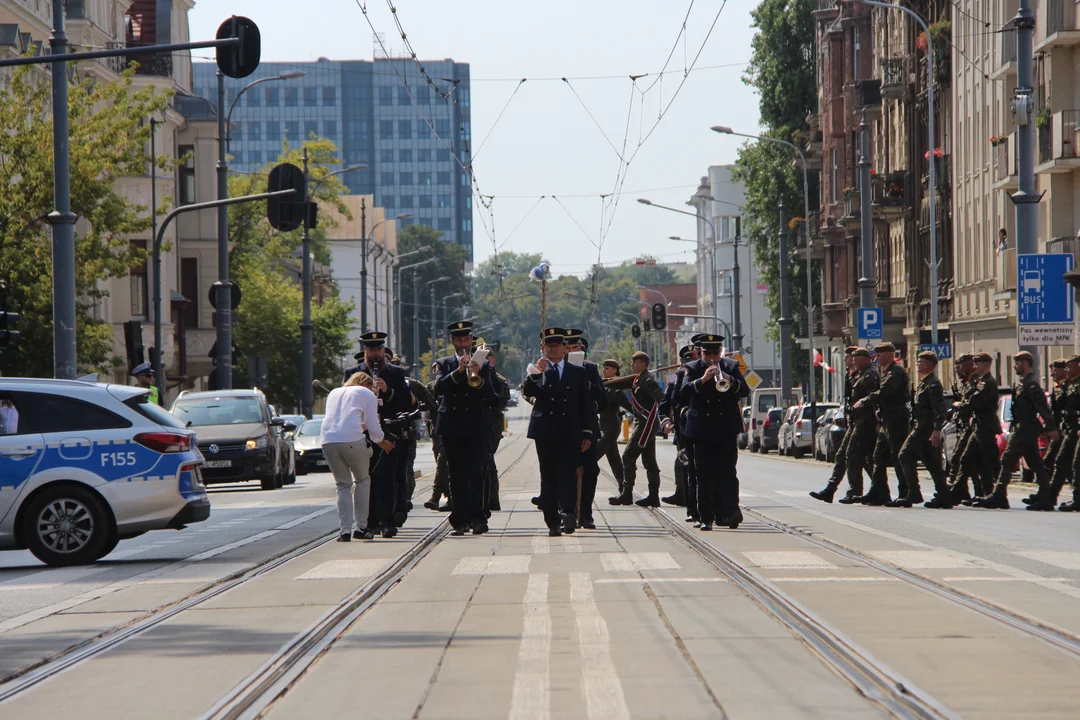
[(286, 213), (239, 61), (645, 324), (133, 343), (635, 330), (8, 322), (659, 316)]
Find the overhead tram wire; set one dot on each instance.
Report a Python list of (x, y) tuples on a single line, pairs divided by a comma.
[(415, 59), (497, 119)]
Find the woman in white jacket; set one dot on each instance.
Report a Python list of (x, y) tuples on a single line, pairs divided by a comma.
[(350, 411)]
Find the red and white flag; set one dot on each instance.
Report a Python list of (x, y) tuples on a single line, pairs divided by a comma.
[(820, 361)]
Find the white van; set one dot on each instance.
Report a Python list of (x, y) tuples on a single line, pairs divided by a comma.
[(761, 401)]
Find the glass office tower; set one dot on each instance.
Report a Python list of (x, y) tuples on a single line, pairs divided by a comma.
[(364, 109)]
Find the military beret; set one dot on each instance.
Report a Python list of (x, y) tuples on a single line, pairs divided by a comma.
[(1074, 358), (965, 358), (860, 352), (612, 364), (1024, 356), (1059, 364), (984, 357), (884, 347), (640, 355), (928, 355), (850, 349)]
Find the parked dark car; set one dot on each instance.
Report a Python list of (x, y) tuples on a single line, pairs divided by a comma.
[(770, 430), (744, 436), (308, 444), (830, 434), (238, 436)]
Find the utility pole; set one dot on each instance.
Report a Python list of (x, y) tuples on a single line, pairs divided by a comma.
[(785, 310), (1025, 198), (363, 265), (416, 326), (223, 313), (307, 366), (62, 219), (867, 291), (736, 297)]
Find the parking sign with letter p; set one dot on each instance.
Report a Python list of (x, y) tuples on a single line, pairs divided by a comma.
[(871, 324)]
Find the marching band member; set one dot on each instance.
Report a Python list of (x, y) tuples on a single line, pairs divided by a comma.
[(498, 414), (711, 392), (560, 427), (465, 395)]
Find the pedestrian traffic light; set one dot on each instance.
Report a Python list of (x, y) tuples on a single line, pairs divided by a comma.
[(239, 61), (286, 213), (645, 324), (133, 343), (8, 322), (635, 330), (659, 316)]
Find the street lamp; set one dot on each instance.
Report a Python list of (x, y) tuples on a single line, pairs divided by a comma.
[(396, 291), (416, 307), (223, 311), (307, 343), (712, 253), (363, 267), (431, 286), (445, 304), (724, 130), (287, 75)]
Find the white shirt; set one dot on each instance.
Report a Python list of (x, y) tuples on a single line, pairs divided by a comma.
[(348, 409), (558, 369)]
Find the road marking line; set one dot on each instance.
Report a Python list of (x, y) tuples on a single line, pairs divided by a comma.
[(571, 545), (532, 678), (651, 581), (789, 560), (633, 562), (792, 493), (343, 569), (493, 565), (541, 545), (600, 682), (232, 546), (925, 560), (1057, 558)]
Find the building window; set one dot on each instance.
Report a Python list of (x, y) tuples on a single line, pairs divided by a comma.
[(386, 179), (255, 130), (463, 97), (423, 155), (404, 155), (445, 224), (423, 95), (386, 95), (386, 156), (389, 202), (386, 128), (407, 201), (292, 97), (423, 178), (189, 288), (270, 96), (292, 130), (444, 201), (330, 128), (235, 132), (329, 96), (403, 96), (442, 178), (405, 178), (311, 96), (442, 127), (855, 72), (405, 129), (832, 177), (425, 201), (256, 157), (138, 285), (186, 156), (254, 99), (466, 225)]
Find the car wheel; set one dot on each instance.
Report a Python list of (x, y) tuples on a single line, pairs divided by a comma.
[(114, 540), (797, 453), (291, 477), (269, 482), (68, 525)]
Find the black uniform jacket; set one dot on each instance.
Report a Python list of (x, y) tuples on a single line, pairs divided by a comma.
[(464, 411), (710, 412), (561, 406), (597, 396), (398, 396)]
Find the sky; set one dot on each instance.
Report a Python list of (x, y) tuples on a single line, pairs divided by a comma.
[(566, 141)]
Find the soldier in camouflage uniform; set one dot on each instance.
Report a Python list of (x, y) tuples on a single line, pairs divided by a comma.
[(1029, 407), (983, 401), (862, 425), (840, 466), (1065, 407), (891, 402), (924, 440)]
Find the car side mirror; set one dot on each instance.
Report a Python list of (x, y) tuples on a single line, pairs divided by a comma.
[(277, 421), (289, 427)]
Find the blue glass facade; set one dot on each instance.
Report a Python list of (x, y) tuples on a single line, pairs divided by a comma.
[(364, 109)]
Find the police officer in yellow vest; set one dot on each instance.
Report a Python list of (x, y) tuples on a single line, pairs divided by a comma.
[(144, 378)]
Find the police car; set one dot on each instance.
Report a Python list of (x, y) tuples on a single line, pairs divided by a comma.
[(85, 465)]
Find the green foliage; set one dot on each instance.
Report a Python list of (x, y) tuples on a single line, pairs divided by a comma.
[(782, 62), (261, 261), (109, 134)]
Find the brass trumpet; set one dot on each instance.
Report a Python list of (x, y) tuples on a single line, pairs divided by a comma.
[(473, 378), (723, 382)]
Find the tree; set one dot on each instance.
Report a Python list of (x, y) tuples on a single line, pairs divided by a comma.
[(450, 263), (261, 261), (108, 137)]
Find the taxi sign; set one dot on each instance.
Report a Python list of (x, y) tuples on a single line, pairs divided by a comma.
[(752, 379)]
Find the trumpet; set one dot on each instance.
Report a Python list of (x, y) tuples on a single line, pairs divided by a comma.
[(723, 382), (473, 378)]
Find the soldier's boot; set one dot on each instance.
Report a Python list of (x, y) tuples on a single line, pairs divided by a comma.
[(621, 499), (853, 496), (650, 500), (1074, 505), (433, 503), (1045, 500), (827, 494), (960, 494), (942, 499), (997, 500)]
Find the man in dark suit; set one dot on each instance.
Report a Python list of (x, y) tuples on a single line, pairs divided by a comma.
[(713, 424), (465, 394), (392, 389), (672, 412), (498, 419), (590, 466), (561, 395)]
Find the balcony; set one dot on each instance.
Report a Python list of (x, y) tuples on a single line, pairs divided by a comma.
[(156, 64), (1007, 60), (817, 245), (1057, 141), (1005, 275), (942, 72), (1005, 177), (1061, 26), (897, 78), (891, 195), (852, 207)]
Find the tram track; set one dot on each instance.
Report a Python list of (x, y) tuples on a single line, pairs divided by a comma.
[(28, 677), (254, 696)]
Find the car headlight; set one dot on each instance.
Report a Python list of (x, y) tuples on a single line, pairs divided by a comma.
[(257, 443), (299, 451)]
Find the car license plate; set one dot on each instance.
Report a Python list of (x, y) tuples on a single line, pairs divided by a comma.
[(218, 463), (321, 463)]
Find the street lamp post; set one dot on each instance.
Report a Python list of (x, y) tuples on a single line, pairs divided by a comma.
[(307, 343), (363, 267), (287, 75), (397, 283), (806, 231), (416, 304), (712, 253), (431, 286), (445, 305), (223, 314)]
